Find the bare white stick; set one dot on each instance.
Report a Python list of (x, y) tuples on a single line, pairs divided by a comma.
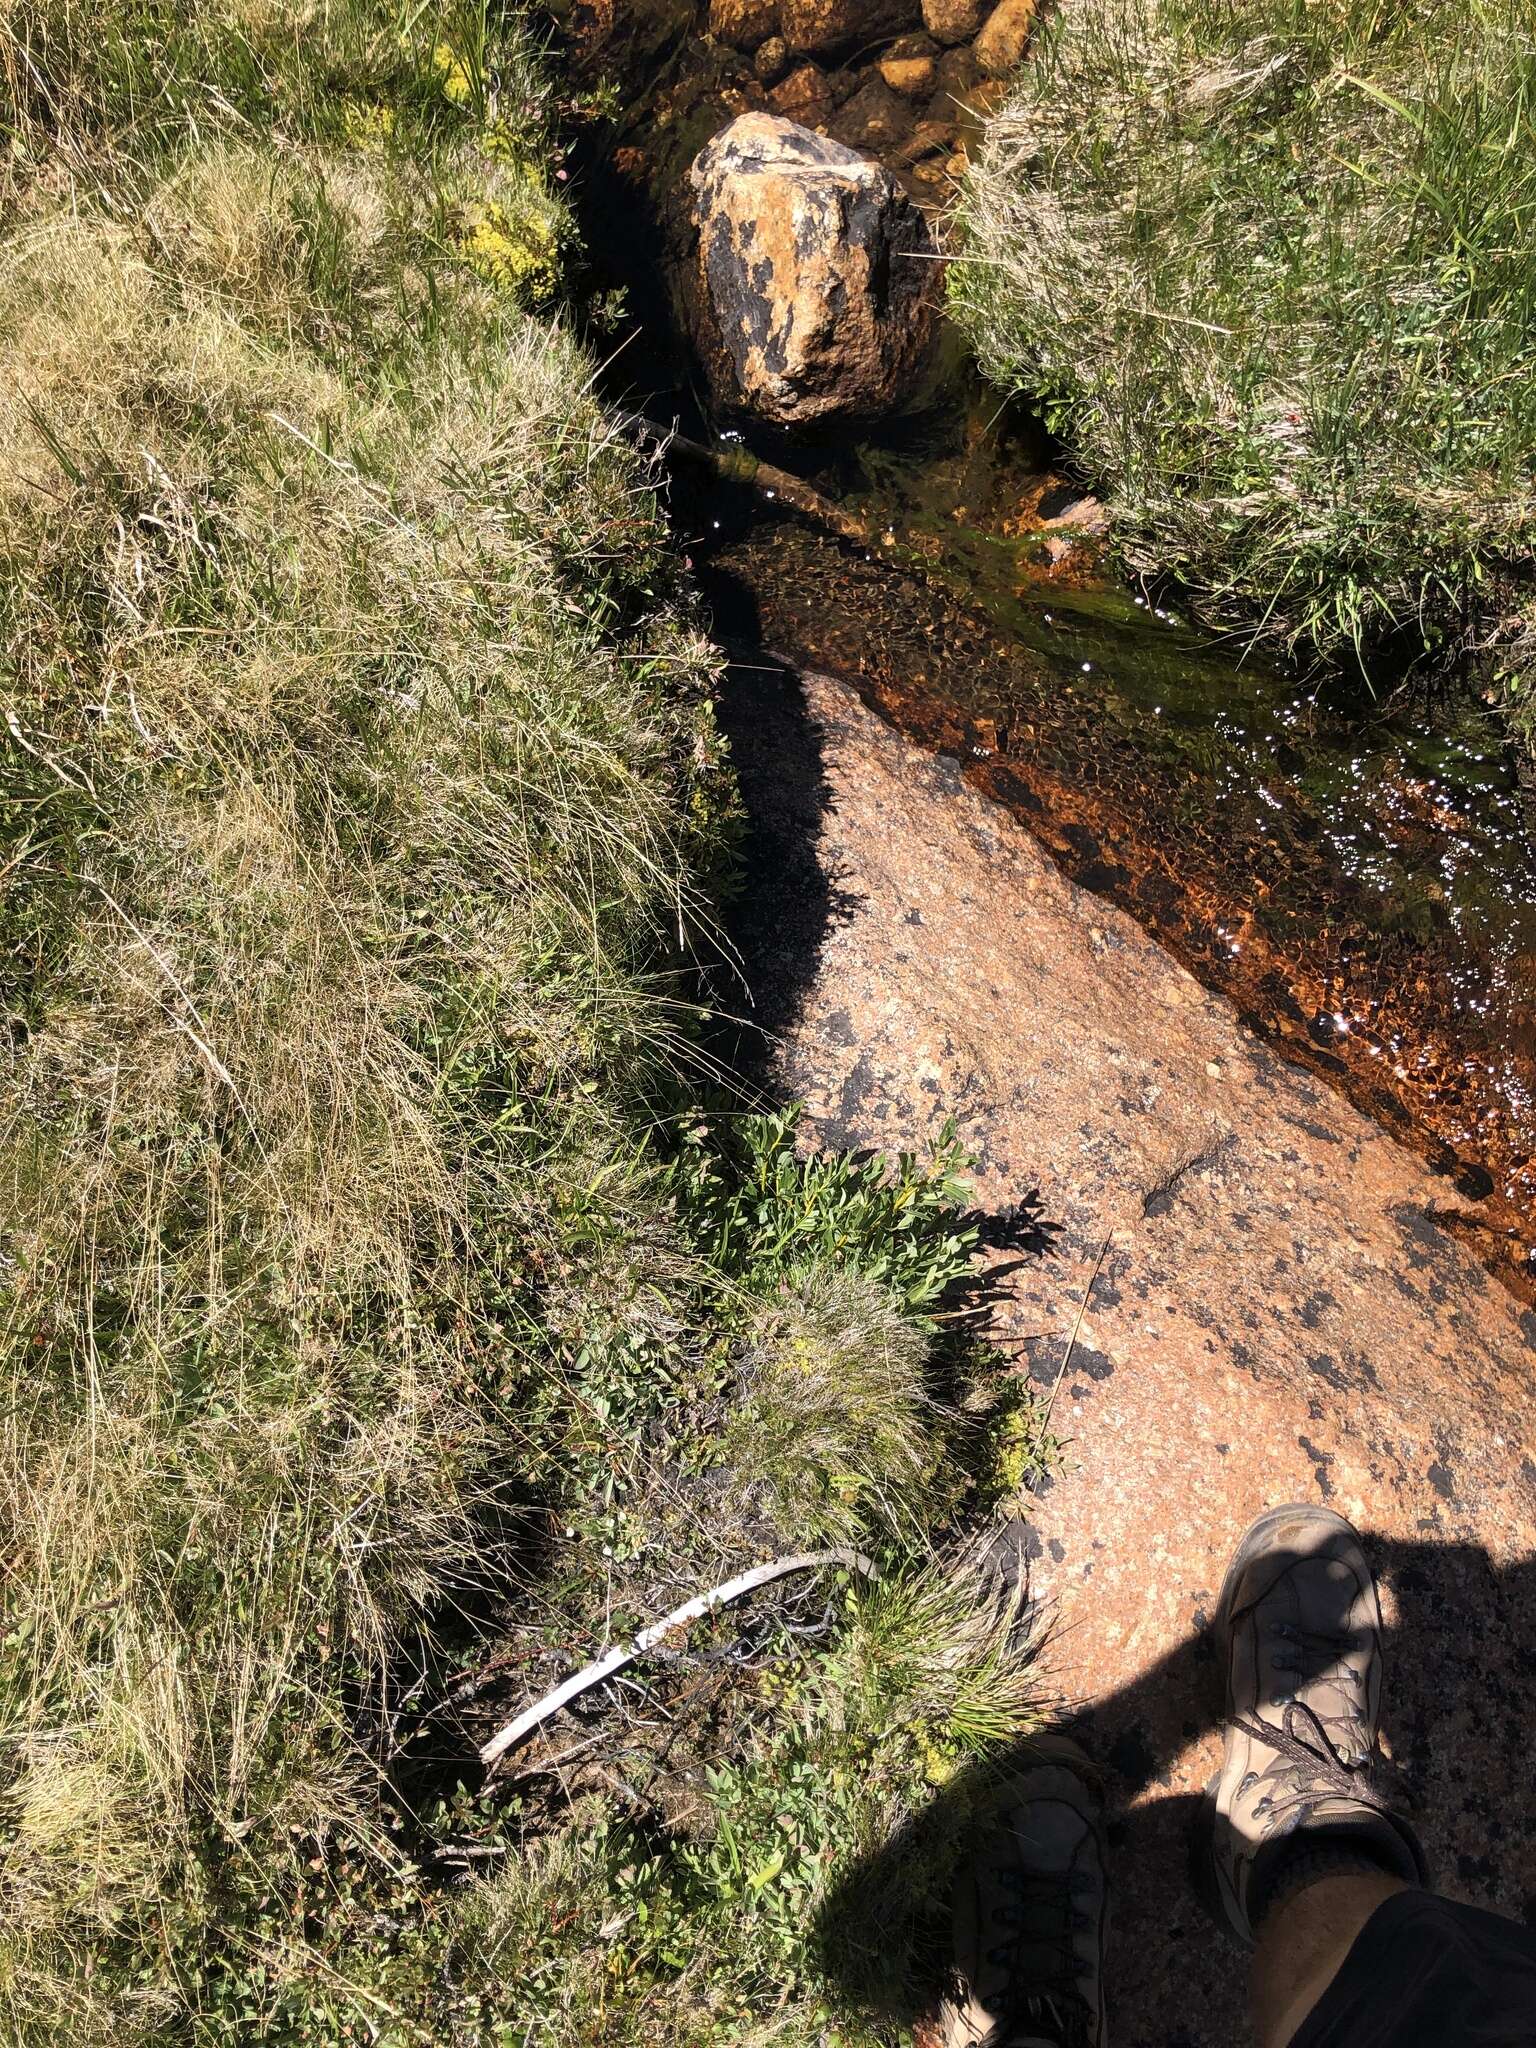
[(691, 1610)]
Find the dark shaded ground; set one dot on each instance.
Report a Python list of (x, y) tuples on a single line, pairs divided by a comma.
[(1449, 1597)]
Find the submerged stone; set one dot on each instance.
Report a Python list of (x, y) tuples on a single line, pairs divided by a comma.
[(1003, 39), (831, 24), (743, 23), (952, 21), (805, 95)]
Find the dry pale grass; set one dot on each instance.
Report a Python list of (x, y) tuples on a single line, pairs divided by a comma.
[(341, 836)]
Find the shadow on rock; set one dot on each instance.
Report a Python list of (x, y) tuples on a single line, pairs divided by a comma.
[(1023, 1228), (1456, 1722), (787, 904)]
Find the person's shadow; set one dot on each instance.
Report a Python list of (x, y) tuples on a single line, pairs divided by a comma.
[(1460, 1684)]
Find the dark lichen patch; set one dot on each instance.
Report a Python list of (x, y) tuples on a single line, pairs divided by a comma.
[(1326, 1367), (1104, 1293), (1323, 1133), (1321, 1460), (1310, 1312), (1092, 1362), (857, 1090)]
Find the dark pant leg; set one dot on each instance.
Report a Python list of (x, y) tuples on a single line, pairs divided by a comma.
[(1427, 1973)]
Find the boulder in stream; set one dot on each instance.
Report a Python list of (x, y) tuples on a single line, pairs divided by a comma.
[(818, 300)]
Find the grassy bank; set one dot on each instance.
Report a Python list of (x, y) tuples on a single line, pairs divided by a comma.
[(384, 1328), (1270, 264)]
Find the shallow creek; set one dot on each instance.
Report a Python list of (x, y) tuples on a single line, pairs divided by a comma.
[(1358, 876)]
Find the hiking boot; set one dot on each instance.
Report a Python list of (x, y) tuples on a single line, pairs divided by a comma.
[(1300, 1626), (1030, 1912)]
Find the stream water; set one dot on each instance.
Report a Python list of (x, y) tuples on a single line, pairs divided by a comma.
[(1358, 875)]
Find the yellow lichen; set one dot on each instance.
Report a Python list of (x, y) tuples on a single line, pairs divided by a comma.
[(499, 138), (517, 251), (366, 124), (453, 75), (939, 1760)]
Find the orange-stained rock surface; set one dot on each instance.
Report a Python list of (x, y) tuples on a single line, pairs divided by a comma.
[(746, 23), (834, 24), (1005, 36), (1248, 1300)]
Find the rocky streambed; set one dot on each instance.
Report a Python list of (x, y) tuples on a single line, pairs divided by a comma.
[(1358, 877)]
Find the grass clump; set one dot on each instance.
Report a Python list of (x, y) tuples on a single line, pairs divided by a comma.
[(372, 1298), (803, 1894), (1270, 265), (831, 1426)]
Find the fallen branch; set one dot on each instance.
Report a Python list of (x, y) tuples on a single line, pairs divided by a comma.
[(737, 465), (692, 1610)]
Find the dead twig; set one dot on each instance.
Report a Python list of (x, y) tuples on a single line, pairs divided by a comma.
[(1082, 1310), (616, 1659), (737, 465)]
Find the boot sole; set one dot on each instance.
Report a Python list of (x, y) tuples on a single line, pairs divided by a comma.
[(1061, 1749)]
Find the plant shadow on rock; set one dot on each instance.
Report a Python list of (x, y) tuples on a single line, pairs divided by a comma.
[(1455, 1724)]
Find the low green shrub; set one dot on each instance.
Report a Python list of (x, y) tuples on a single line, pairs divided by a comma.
[(1269, 264)]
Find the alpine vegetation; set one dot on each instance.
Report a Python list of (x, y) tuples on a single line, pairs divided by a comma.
[(1270, 266), (383, 1327)]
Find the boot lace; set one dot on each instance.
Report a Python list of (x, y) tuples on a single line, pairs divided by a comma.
[(1045, 1998), (1317, 1766)]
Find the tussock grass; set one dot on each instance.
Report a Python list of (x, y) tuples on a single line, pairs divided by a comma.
[(348, 830), (831, 1426), (366, 1281), (1270, 263)]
